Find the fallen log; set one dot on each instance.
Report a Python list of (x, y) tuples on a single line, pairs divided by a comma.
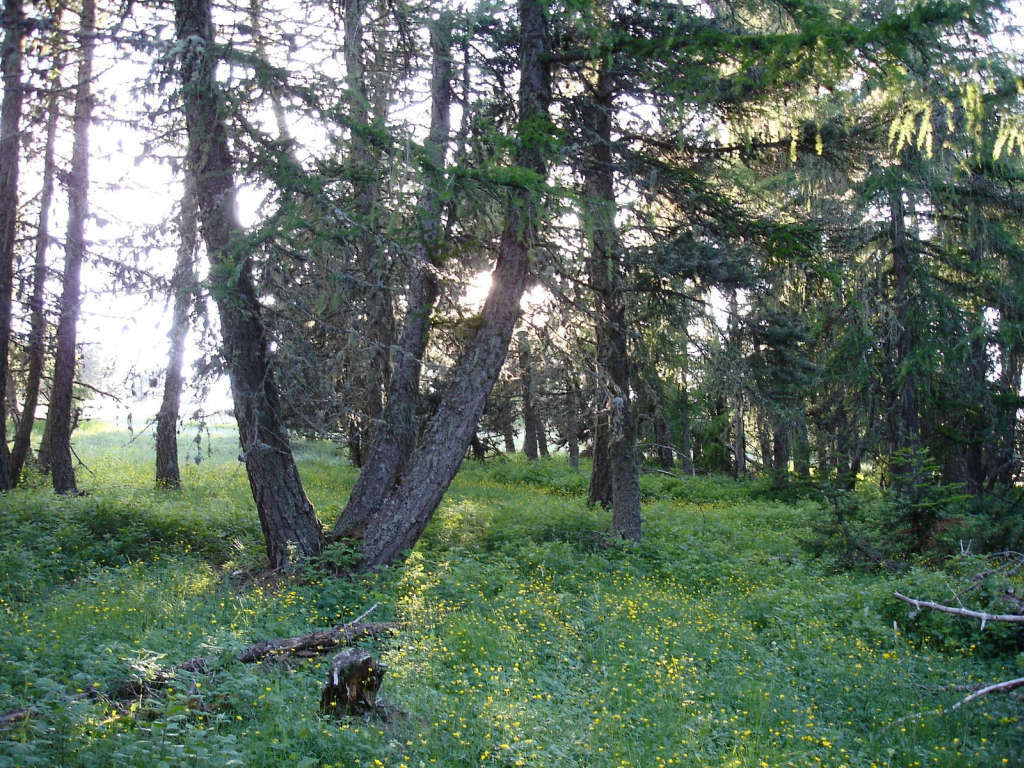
[(352, 683)]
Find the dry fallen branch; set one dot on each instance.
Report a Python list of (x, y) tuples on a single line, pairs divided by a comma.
[(1003, 687), (981, 615)]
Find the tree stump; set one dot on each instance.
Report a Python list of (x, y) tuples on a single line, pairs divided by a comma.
[(352, 683)]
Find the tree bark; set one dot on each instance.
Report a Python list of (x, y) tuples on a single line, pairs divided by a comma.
[(183, 289), (10, 152), (801, 444), (684, 447), (409, 507), (739, 440), (530, 426), (904, 428), (392, 445), (377, 334), (599, 491), (606, 280), (78, 211), (286, 516), (37, 329), (780, 453), (572, 418)]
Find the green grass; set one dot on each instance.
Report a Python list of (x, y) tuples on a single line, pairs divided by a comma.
[(528, 637)]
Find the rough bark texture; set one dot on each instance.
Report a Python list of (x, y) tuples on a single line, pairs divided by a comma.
[(376, 334), (392, 445), (431, 467), (37, 329), (904, 435), (286, 516), (801, 444), (10, 120), (684, 446), (530, 425), (183, 289), (572, 418), (780, 453), (739, 441), (78, 211), (611, 331), (599, 491)]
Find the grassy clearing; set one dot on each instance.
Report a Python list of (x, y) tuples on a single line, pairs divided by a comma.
[(528, 637)]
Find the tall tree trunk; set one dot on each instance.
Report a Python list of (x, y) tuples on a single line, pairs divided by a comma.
[(10, 152), (1005, 459), (684, 447), (286, 516), (392, 445), (572, 418), (739, 440), (764, 441), (78, 211), (433, 464), (801, 444), (903, 417), (978, 436), (37, 328), (378, 331), (599, 490), (606, 280), (183, 288), (530, 427), (780, 453)]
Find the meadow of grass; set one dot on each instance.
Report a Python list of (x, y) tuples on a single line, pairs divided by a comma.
[(528, 637)]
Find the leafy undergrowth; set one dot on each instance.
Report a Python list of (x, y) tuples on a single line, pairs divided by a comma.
[(529, 637)]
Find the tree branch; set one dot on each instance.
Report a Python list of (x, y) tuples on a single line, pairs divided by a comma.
[(1006, 685), (982, 615)]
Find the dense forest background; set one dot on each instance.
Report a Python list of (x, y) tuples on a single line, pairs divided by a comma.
[(725, 301), (778, 239)]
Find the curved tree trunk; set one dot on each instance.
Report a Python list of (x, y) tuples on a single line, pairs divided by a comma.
[(392, 445), (286, 516), (37, 331), (183, 288), (430, 469), (10, 121), (78, 211)]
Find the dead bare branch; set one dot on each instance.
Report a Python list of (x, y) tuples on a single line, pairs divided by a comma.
[(1005, 686), (983, 616)]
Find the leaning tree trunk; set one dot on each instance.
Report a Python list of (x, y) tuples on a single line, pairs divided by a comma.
[(37, 328), (183, 289), (611, 332), (10, 120), (59, 415), (286, 516), (392, 445), (430, 469)]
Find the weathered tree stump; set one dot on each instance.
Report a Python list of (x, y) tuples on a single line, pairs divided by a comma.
[(352, 683)]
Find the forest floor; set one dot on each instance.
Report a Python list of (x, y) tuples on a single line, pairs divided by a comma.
[(526, 636)]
